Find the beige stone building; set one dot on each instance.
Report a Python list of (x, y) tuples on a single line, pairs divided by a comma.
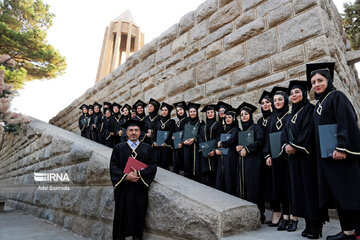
[(122, 37)]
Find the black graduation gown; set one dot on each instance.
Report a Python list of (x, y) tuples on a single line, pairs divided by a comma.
[(226, 173), (267, 171), (131, 199), (150, 124), (191, 157), (302, 164), (250, 172), (339, 179), (209, 132), (163, 155), (280, 189), (106, 132), (115, 127), (84, 123), (100, 127), (178, 162), (95, 120)]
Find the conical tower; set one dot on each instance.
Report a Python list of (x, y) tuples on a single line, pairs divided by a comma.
[(121, 37)]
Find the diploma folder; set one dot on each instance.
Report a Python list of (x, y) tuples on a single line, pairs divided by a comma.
[(190, 131), (207, 147), (161, 137), (246, 137), (132, 162), (178, 138), (224, 137), (328, 139), (275, 143)]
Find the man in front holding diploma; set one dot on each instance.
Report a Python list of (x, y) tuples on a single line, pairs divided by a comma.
[(131, 190), (339, 174)]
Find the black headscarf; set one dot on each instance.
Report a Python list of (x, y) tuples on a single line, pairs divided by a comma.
[(183, 116), (140, 115), (156, 110), (285, 108), (248, 124), (235, 123), (330, 87), (164, 119), (296, 107), (193, 121), (267, 113)]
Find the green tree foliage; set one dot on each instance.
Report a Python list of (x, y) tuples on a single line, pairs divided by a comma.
[(23, 30), (351, 21)]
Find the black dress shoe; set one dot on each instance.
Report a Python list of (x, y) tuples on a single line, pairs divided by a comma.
[(341, 236), (283, 225), (271, 224), (292, 225)]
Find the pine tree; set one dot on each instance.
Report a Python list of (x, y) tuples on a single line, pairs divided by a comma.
[(351, 22)]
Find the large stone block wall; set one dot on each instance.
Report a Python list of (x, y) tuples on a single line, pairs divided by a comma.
[(179, 208), (228, 50)]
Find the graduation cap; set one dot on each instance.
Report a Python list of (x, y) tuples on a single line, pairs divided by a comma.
[(108, 104), (107, 109), (115, 104), (133, 122), (193, 105), (297, 84), (181, 104), (326, 68), (168, 106), (279, 89), (222, 104), (264, 95), (126, 106), (91, 107), (209, 107), (232, 111), (139, 103), (155, 103), (97, 104), (83, 106), (246, 106)]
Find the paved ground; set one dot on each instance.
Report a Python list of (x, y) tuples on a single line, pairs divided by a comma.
[(18, 225)]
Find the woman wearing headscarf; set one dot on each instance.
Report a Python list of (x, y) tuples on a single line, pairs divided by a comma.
[(221, 108), (339, 167), (178, 162), (107, 128), (228, 162), (115, 124), (139, 106), (163, 153), (250, 172), (151, 119), (209, 130), (126, 116), (280, 191), (84, 121), (298, 141), (96, 122), (191, 148)]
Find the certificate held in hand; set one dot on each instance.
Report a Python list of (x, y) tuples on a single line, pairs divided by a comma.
[(178, 138), (133, 163), (161, 137), (275, 144), (207, 147), (190, 131), (245, 138), (328, 139)]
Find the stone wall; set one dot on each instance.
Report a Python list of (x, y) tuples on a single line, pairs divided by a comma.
[(178, 207), (228, 50)]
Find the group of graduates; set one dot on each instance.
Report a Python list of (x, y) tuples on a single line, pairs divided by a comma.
[(278, 159)]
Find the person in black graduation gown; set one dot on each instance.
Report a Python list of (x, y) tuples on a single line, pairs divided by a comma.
[(209, 130), (106, 129), (178, 153), (226, 173), (339, 174), (151, 119), (140, 115), (298, 141), (131, 190), (115, 125), (91, 122), (126, 116), (96, 122), (221, 108), (191, 148), (251, 181), (164, 153), (280, 197), (84, 121)]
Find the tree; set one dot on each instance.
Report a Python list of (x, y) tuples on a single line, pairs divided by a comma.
[(23, 30), (351, 23)]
